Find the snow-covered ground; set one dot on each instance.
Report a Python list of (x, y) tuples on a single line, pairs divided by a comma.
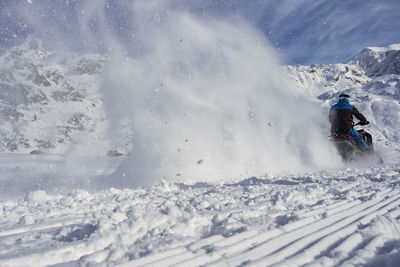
[(62, 204), (347, 217)]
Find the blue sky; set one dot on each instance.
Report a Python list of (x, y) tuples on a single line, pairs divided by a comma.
[(304, 31)]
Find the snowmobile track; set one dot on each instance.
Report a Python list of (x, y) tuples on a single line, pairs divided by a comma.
[(40, 227), (307, 240), (325, 234)]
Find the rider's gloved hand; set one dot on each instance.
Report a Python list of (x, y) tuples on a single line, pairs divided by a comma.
[(364, 122)]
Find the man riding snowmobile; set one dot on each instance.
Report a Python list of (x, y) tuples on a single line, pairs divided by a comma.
[(341, 119)]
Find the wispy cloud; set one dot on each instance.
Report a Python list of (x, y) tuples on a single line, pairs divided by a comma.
[(331, 31), (305, 31)]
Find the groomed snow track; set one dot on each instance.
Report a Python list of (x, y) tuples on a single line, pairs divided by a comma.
[(341, 218), (305, 241)]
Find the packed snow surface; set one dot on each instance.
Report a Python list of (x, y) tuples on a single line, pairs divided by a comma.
[(330, 218)]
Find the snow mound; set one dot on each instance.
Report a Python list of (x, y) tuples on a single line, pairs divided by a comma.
[(36, 197)]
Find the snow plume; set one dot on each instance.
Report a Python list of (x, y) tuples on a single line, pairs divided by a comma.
[(205, 97), (207, 101)]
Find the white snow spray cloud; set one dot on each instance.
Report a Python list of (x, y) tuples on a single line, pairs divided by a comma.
[(205, 97), (207, 101)]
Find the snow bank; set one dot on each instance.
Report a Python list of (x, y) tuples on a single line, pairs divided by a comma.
[(207, 100)]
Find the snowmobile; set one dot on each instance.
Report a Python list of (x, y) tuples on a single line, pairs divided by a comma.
[(349, 151)]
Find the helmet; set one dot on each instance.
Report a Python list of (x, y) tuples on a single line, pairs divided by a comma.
[(343, 95)]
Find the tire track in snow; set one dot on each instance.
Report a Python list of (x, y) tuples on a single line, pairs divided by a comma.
[(194, 247), (41, 227), (313, 231), (235, 243), (309, 254), (395, 213), (367, 248), (250, 243), (347, 246), (340, 252), (357, 257), (242, 243), (65, 253), (285, 240), (155, 258), (220, 249)]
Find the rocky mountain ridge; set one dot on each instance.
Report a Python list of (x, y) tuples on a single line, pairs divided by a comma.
[(369, 66), (49, 101), (378, 61)]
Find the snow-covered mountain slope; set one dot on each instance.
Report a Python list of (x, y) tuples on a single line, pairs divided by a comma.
[(372, 62), (372, 78), (326, 80), (330, 218), (377, 61), (48, 101)]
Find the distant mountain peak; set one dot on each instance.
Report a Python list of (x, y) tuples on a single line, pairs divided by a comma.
[(378, 61), (383, 49)]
